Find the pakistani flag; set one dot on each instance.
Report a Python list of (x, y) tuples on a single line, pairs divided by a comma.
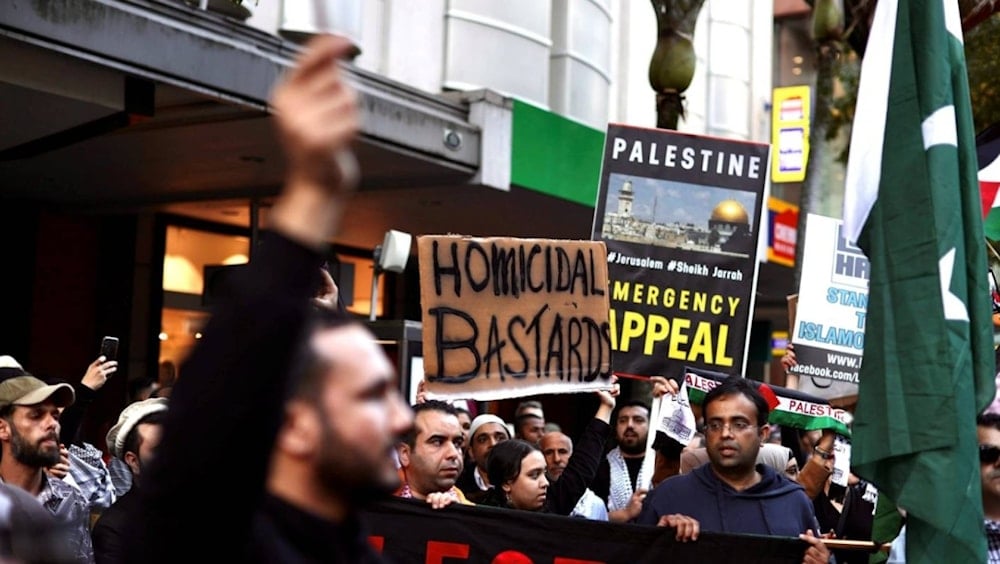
[(912, 204)]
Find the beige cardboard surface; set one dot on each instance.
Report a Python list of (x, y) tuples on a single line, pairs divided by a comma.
[(507, 317)]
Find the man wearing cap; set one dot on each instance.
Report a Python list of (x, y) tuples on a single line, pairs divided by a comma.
[(29, 439), (132, 440), (81, 464), (485, 432)]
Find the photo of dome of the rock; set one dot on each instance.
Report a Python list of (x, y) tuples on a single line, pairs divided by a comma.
[(679, 215)]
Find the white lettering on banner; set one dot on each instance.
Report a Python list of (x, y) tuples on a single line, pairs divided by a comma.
[(702, 160)]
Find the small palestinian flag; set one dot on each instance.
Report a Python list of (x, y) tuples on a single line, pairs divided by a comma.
[(789, 407), (988, 150)]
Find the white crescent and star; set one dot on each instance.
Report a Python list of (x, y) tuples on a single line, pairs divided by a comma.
[(954, 307)]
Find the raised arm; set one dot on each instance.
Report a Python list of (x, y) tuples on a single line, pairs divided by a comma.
[(229, 406), (93, 380), (316, 115), (582, 465)]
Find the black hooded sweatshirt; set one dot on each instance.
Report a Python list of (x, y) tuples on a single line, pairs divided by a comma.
[(774, 506)]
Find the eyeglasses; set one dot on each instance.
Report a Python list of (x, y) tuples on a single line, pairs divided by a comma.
[(734, 426), (989, 454), (824, 454)]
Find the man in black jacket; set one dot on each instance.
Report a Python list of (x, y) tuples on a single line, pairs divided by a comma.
[(282, 427), (132, 439)]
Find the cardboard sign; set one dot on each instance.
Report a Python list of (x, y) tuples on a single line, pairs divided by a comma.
[(506, 317), (681, 216)]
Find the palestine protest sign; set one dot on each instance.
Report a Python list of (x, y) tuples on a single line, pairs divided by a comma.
[(791, 408), (680, 216), (829, 331), (672, 416), (406, 530), (506, 317)]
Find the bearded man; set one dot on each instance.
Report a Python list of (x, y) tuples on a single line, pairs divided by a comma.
[(618, 475), (29, 440)]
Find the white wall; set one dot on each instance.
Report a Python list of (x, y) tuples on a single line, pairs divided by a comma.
[(264, 15), (504, 46), (762, 79), (633, 38), (580, 61), (732, 81), (297, 19), (406, 39), (586, 59)]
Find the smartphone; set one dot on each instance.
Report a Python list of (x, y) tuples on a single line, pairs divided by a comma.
[(109, 348)]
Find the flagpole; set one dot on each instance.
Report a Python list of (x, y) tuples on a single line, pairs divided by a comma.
[(992, 250)]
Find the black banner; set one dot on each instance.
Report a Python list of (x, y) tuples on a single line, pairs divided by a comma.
[(408, 531), (680, 216)]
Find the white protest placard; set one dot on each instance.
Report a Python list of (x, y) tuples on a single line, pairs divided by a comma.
[(674, 416), (829, 332), (841, 460)]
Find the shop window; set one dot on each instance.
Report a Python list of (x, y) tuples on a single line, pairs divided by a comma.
[(361, 286), (187, 253), (191, 255)]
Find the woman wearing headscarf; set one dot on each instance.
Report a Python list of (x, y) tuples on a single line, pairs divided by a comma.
[(516, 468)]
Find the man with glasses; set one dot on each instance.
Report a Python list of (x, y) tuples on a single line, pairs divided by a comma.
[(732, 493), (988, 432), (988, 429)]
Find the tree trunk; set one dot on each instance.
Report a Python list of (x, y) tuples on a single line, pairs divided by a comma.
[(813, 189)]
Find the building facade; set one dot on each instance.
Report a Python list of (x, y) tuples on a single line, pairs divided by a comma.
[(137, 156)]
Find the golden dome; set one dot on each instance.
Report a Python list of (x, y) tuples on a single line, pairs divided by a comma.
[(730, 211)]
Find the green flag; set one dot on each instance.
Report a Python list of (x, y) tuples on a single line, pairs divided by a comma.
[(912, 204)]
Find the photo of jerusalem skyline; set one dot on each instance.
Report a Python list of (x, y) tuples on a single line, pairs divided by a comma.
[(675, 202), (679, 215)]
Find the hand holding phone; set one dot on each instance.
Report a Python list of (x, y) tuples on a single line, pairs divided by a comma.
[(109, 348)]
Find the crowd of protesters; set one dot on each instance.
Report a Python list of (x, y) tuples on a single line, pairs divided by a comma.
[(289, 420)]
